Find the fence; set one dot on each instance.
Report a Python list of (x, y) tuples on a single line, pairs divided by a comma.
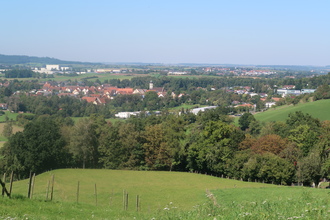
[(50, 193)]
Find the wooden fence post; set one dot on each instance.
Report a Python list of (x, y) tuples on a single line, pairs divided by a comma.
[(32, 185), (30, 182), (137, 203), (52, 192), (11, 181), (95, 193), (4, 182), (78, 192), (126, 201), (4, 190), (47, 189)]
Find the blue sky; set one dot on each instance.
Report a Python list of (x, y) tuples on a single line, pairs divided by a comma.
[(274, 32)]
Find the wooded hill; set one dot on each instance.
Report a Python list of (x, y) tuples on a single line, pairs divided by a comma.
[(22, 59)]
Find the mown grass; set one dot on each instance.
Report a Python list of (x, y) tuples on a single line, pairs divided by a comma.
[(318, 109), (164, 195)]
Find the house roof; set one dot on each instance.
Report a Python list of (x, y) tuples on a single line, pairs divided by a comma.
[(89, 99), (124, 90), (276, 99)]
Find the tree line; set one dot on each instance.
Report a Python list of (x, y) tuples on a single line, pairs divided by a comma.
[(296, 150)]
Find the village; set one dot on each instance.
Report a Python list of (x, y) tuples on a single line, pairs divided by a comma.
[(104, 93)]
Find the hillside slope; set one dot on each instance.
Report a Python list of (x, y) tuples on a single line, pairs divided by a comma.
[(318, 109), (156, 189), (22, 59)]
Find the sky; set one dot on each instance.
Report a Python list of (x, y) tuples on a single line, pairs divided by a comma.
[(259, 32)]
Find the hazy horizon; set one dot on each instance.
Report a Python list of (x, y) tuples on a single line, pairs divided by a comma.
[(169, 32)]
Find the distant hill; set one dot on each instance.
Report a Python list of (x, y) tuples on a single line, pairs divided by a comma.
[(318, 109), (22, 59)]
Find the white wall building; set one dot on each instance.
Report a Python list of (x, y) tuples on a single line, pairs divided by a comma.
[(53, 67), (126, 114), (196, 110), (270, 104)]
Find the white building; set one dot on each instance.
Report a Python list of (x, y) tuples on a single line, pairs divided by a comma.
[(65, 68), (126, 114), (285, 92), (196, 110), (270, 104), (177, 73), (53, 67)]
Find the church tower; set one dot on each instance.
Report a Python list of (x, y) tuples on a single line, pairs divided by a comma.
[(151, 85)]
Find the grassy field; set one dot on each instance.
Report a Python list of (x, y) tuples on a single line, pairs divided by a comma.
[(273, 203), (100, 76), (156, 189), (10, 116), (318, 109), (164, 195)]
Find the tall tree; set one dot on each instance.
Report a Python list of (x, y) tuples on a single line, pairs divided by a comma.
[(245, 120), (40, 147), (120, 147), (213, 146), (7, 129), (84, 143)]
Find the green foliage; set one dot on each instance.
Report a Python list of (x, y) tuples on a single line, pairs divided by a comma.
[(245, 120), (84, 140), (322, 92), (268, 168), (310, 169), (19, 73), (7, 130), (20, 59), (213, 146), (304, 137), (38, 148), (299, 118), (120, 147)]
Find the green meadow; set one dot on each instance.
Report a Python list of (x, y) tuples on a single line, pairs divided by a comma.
[(100, 76), (163, 195), (318, 109), (156, 189), (8, 115)]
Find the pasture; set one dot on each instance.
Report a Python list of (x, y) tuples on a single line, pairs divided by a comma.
[(317, 109), (156, 189), (100, 76), (163, 195), (8, 115)]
